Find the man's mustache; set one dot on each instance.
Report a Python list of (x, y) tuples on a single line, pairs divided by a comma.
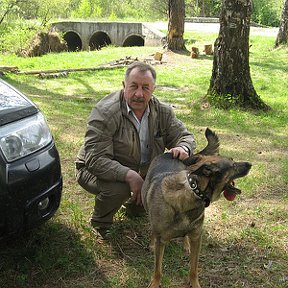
[(138, 100)]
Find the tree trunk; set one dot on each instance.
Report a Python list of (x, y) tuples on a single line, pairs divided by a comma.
[(231, 83), (282, 36), (176, 13)]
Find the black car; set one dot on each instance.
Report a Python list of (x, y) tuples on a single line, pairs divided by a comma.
[(30, 171)]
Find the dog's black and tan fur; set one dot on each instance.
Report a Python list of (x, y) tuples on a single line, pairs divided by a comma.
[(176, 193)]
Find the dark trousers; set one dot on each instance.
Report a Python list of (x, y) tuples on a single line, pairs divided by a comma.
[(109, 196)]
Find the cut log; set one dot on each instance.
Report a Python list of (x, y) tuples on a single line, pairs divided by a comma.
[(208, 49), (194, 52), (158, 56)]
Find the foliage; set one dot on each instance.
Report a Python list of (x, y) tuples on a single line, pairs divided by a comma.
[(267, 12), (34, 9), (119, 9), (17, 34), (87, 9), (203, 8)]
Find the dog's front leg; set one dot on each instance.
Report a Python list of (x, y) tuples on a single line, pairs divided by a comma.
[(158, 257), (195, 245)]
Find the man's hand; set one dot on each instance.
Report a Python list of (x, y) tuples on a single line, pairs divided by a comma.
[(179, 152), (135, 182)]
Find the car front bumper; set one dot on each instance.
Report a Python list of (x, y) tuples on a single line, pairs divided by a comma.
[(30, 190)]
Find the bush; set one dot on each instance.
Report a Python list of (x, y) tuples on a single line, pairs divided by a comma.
[(15, 35)]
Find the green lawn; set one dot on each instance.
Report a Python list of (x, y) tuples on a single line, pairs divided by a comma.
[(244, 241)]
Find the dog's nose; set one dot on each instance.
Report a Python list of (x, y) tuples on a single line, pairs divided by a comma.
[(248, 165), (242, 169)]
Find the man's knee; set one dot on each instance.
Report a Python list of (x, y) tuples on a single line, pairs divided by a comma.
[(118, 191), (108, 201), (86, 180)]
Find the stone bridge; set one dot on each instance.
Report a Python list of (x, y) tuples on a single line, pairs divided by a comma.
[(86, 35)]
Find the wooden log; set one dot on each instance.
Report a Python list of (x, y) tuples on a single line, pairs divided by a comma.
[(53, 75), (208, 49), (158, 56), (12, 69), (194, 52), (106, 67)]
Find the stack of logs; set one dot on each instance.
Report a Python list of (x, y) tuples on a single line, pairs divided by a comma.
[(55, 73)]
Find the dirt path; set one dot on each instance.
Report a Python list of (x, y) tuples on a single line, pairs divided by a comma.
[(214, 27)]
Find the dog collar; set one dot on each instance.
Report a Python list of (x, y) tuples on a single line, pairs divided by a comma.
[(194, 186)]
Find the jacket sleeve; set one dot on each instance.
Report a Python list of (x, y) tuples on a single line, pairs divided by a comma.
[(99, 148)]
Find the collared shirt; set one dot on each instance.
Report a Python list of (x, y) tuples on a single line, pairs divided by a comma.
[(143, 131)]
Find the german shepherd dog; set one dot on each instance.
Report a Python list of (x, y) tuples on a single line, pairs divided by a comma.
[(175, 194)]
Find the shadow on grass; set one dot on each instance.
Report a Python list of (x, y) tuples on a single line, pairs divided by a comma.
[(272, 65), (238, 263), (49, 256), (40, 90)]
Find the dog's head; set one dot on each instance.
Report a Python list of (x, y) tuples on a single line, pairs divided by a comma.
[(210, 174)]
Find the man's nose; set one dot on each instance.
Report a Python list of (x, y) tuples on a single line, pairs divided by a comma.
[(139, 92)]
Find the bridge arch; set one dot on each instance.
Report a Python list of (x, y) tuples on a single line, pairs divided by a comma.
[(133, 40), (73, 41), (98, 40), (85, 35)]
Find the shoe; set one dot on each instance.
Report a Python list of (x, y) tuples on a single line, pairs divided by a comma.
[(102, 233)]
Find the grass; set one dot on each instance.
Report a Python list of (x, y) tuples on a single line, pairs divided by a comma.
[(244, 241)]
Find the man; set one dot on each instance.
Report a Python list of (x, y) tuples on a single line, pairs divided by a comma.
[(125, 131)]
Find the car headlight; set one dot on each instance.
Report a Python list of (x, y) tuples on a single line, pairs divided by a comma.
[(21, 138)]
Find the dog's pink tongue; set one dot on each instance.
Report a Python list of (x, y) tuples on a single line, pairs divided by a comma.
[(230, 196)]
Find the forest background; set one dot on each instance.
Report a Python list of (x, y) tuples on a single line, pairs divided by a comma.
[(21, 19)]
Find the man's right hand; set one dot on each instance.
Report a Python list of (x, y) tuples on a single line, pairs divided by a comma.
[(135, 182)]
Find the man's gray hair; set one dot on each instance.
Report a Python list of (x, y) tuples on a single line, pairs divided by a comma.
[(142, 67)]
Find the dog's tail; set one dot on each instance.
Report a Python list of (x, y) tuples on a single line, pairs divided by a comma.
[(212, 148)]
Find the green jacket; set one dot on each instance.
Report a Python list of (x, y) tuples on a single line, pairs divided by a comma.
[(112, 144)]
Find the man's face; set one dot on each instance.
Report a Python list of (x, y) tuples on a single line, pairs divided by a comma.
[(138, 89)]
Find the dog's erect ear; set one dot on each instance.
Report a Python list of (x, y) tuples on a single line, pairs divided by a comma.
[(212, 147), (209, 170)]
